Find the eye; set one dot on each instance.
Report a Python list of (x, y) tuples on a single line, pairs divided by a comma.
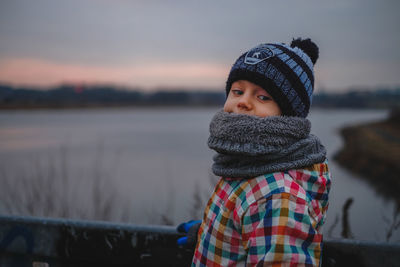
[(237, 92), (264, 97)]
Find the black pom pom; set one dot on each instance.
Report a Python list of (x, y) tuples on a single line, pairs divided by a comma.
[(308, 46)]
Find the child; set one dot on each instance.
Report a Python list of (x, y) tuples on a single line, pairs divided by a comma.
[(270, 204)]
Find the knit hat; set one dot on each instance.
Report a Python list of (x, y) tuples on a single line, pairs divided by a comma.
[(285, 72)]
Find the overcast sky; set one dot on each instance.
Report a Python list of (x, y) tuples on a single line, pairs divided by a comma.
[(192, 43)]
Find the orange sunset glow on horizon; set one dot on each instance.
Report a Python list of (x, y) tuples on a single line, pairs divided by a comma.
[(41, 73)]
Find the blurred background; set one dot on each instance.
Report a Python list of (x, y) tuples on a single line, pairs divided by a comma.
[(105, 105)]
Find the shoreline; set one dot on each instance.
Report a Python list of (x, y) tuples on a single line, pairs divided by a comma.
[(372, 150), (150, 106)]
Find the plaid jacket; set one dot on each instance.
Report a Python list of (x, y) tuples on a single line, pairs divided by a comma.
[(270, 220)]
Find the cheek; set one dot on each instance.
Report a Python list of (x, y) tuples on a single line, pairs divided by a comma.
[(275, 110), (228, 106), (268, 110)]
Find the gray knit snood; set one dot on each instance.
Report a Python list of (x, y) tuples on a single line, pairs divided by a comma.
[(249, 146)]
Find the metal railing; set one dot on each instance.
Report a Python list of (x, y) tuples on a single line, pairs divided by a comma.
[(41, 242)]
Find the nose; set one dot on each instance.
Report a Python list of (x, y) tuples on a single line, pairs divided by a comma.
[(245, 102)]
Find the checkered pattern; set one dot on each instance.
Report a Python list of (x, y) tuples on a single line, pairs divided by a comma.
[(271, 220)]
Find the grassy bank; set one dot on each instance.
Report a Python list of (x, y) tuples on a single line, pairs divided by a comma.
[(373, 151)]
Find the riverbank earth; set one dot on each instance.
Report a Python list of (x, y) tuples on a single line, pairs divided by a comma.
[(372, 150)]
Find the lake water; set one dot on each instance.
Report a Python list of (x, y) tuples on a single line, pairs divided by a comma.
[(150, 166)]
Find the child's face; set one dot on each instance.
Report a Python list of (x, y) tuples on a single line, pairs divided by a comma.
[(248, 98)]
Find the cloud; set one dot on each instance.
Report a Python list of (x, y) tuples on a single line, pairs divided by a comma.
[(185, 43), (36, 72), (340, 75)]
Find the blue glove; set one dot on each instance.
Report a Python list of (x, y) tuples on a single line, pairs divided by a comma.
[(190, 228)]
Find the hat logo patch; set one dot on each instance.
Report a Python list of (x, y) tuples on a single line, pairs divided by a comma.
[(258, 54)]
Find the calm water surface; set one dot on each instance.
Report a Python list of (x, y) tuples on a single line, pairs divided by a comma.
[(151, 165)]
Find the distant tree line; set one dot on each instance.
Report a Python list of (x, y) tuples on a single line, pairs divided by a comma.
[(379, 98), (71, 96), (66, 96)]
